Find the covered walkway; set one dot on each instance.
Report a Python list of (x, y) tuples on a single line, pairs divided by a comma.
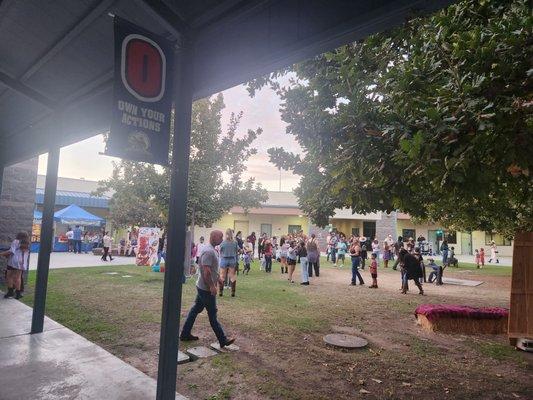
[(60, 364)]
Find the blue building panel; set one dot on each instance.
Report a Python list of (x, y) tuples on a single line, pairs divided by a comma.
[(66, 198)]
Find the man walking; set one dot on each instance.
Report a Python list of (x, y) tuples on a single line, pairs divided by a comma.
[(206, 287), (76, 238)]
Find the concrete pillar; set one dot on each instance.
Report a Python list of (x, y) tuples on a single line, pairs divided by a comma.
[(17, 199), (386, 226)]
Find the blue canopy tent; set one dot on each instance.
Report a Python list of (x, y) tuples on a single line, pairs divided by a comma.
[(75, 215), (71, 215), (37, 215)]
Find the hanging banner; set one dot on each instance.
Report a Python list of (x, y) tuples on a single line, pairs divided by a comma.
[(147, 246), (140, 126)]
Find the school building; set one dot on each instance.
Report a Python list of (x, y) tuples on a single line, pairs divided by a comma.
[(280, 215)]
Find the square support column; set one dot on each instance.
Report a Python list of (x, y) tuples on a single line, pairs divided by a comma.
[(177, 227), (47, 241), (1, 178)]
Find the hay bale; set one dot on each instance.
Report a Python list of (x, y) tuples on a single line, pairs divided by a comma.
[(464, 325), (462, 319)]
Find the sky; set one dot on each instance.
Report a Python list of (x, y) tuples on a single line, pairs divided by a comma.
[(83, 159)]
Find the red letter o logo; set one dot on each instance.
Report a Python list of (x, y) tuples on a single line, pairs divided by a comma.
[(143, 68)]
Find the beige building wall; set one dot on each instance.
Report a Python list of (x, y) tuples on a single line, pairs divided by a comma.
[(345, 225), (248, 223), (479, 241), (423, 229)]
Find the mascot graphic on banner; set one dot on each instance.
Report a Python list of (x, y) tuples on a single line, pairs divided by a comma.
[(148, 243)]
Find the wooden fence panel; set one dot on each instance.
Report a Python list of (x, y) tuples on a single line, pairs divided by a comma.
[(521, 312)]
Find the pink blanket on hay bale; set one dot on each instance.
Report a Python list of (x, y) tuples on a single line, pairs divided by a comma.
[(434, 311)]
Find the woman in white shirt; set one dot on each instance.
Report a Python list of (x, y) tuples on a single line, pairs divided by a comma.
[(108, 242)]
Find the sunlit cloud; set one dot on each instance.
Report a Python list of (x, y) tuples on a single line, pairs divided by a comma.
[(85, 160)]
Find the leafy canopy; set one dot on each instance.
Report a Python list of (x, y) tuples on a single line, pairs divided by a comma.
[(217, 163), (433, 118)]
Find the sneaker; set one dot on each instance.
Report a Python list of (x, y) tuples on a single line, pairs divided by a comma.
[(304, 283), (18, 295), (8, 294), (228, 342), (189, 338)]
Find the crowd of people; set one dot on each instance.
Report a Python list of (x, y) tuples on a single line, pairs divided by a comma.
[(295, 249)]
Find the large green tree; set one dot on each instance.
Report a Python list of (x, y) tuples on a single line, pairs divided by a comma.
[(216, 184), (433, 118)]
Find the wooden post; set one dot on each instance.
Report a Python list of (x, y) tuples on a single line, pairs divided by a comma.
[(521, 311)]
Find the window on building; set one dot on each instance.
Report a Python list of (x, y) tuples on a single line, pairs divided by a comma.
[(408, 233), (499, 240), (369, 229), (295, 228), (266, 228), (451, 236), (355, 231)]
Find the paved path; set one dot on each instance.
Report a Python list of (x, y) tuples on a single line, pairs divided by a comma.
[(505, 261), (59, 364), (71, 260)]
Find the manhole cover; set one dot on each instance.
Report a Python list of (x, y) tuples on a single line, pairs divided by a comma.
[(345, 341)]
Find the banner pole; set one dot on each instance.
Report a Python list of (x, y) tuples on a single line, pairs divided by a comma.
[(47, 241), (177, 226)]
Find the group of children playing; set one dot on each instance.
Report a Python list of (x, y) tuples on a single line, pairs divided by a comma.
[(480, 258), (17, 262)]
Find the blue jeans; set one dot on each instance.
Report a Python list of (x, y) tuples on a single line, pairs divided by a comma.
[(444, 256), (204, 299), (333, 256), (305, 272), (268, 263), (77, 246), (355, 270), (160, 255)]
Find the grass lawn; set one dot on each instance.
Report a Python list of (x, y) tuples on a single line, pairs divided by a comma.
[(280, 327)]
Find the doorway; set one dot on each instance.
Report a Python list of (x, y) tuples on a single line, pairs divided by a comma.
[(435, 239), (466, 243), (369, 229)]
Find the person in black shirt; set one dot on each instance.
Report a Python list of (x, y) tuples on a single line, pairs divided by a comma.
[(411, 270)]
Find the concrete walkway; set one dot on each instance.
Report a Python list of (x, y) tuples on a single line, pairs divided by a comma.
[(504, 261), (59, 364), (71, 260)]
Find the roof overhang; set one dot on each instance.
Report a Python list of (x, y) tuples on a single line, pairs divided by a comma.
[(56, 58)]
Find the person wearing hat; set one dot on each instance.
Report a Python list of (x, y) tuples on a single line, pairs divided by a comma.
[(493, 252), (436, 274)]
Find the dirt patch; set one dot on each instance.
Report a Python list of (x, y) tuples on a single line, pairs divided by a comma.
[(279, 329)]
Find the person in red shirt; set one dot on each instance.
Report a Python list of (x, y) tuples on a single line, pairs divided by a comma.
[(482, 257), (267, 253), (374, 271)]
